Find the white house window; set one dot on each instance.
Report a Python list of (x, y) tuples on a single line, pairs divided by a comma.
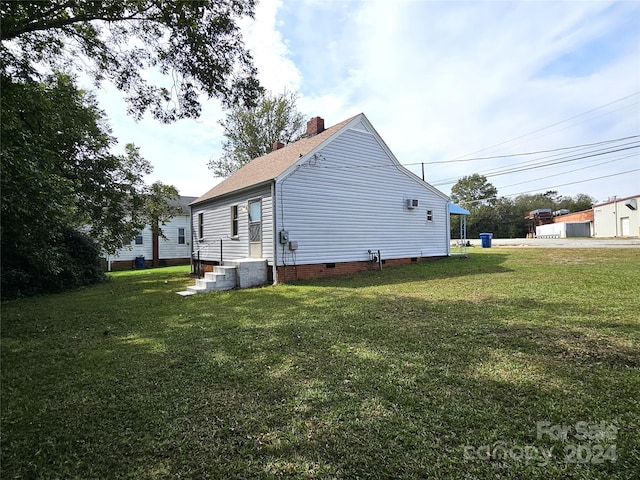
[(181, 236), (234, 220), (429, 215), (201, 225), (138, 239)]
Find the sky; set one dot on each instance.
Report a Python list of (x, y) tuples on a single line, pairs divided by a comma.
[(450, 85)]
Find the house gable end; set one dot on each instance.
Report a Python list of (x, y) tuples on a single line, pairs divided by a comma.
[(400, 167), (360, 124)]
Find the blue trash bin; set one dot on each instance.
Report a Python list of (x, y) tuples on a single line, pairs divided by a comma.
[(140, 262), (485, 239)]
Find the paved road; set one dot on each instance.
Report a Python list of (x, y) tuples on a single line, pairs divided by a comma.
[(563, 242)]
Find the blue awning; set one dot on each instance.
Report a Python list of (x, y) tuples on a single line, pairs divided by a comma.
[(456, 210)]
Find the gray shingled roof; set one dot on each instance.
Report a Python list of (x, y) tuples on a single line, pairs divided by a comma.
[(270, 166), (183, 204)]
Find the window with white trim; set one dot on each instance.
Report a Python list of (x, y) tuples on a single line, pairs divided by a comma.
[(234, 220), (429, 215), (181, 236)]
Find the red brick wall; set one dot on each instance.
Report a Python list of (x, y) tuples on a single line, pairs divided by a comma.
[(131, 264), (291, 273), (207, 266), (171, 262), (584, 216), (122, 265)]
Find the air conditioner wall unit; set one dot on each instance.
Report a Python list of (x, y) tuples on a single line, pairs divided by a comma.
[(412, 203)]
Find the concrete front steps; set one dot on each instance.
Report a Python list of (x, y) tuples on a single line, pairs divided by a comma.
[(223, 277), (245, 273)]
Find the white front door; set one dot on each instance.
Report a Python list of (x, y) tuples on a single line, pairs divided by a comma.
[(255, 228)]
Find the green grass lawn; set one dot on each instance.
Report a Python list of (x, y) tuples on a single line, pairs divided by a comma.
[(445, 369)]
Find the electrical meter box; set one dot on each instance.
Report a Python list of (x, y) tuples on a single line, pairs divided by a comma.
[(284, 236)]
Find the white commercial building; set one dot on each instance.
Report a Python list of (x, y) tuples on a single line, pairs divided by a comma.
[(618, 217)]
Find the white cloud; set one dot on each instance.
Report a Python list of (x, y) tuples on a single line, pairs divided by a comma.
[(438, 80), (269, 51)]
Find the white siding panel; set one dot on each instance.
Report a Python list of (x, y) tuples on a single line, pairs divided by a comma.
[(604, 220), (131, 250), (169, 247), (351, 198), (217, 226)]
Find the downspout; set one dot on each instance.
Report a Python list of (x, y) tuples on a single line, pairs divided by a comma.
[(274, 234)]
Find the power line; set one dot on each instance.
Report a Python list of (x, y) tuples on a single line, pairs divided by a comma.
[(555, 131), (525, 153), (564, 160), (574, 183), (568, 171), (536, 163), (552, 125), (556, 156), (570, 158)]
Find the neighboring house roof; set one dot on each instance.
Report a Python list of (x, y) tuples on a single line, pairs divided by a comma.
[(183, 204), (271, 165)]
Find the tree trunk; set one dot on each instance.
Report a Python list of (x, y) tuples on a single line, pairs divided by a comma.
[(155, 242)]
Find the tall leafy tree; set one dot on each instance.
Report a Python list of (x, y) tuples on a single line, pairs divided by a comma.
[(59, 176), (474, 190), (527, 202), (577, 203), (475, 193), (251, 131), (196, 45), (507, 221)]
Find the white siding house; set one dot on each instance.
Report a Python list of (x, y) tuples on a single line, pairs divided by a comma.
[(174, 250), (323, 205)]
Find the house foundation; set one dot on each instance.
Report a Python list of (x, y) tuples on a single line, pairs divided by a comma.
[(291, 273), (117, 265)]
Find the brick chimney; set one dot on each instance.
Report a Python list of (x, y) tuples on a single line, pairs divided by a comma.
[(277, 145), (315, 126)]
